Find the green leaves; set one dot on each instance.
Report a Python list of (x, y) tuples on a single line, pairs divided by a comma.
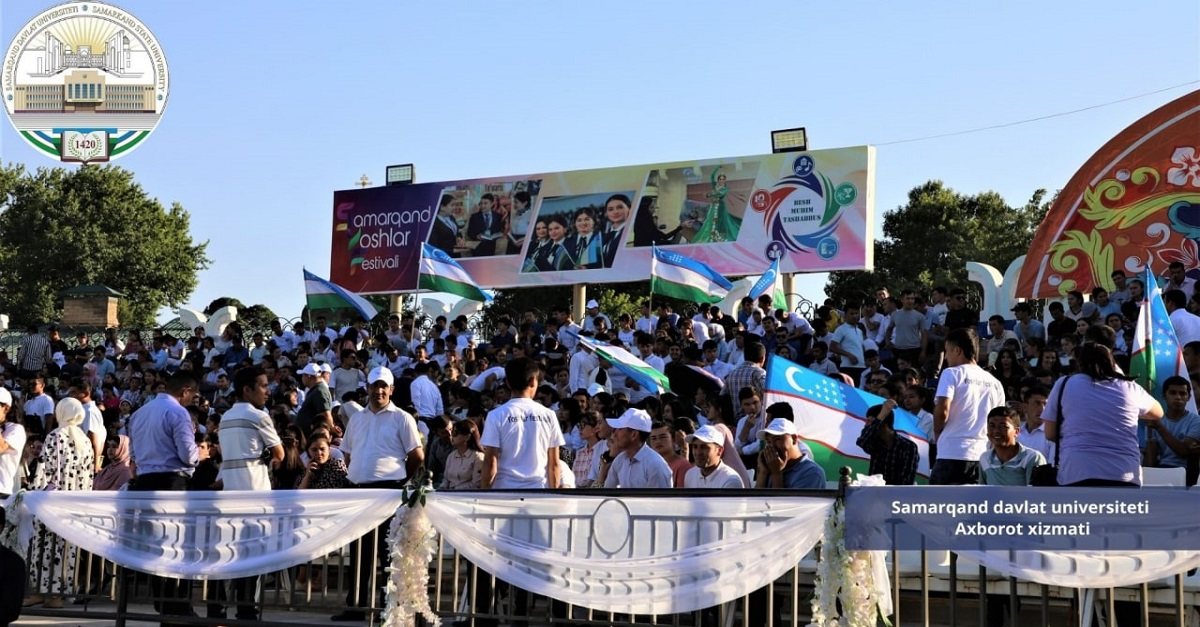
[(928, 241), (94, 225)]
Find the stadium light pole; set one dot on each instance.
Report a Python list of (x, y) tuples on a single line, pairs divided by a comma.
[(789, 140), (394, 175)]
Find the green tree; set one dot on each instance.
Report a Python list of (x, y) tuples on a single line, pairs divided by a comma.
[(256, 316), (94, 225), (224, 301), (928, 241), (249, 316)]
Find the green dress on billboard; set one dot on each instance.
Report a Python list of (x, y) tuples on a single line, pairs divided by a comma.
[(719, 225)]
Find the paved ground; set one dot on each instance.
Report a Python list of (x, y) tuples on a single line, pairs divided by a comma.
[(910, 614)]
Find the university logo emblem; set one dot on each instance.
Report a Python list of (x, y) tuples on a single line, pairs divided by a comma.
[(84, 82), (803, 210)]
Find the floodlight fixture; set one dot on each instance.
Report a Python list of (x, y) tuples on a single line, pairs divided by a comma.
[(404, 174), (789, 140)]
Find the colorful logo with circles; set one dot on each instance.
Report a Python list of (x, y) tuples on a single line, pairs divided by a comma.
[(803, 210), (84, 82)]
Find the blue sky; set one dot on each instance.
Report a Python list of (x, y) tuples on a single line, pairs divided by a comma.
[(274, 105)]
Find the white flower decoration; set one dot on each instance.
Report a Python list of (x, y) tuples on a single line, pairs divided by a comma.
[(858, 579), (412, 544), (1188, 171)]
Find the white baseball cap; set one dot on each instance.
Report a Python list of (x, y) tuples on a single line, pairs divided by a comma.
[(595, 389), (592, 304), (380, 373), (326, 368), (635, 419), (708, 433), (5, 397), (311, 369), (779, 426)]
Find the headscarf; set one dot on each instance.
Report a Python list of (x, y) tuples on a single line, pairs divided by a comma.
[(70, 414), (118, 472)]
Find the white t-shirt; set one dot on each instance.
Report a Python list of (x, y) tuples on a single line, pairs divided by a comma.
[(348, 409), (523, 431), (378, 444), (851, 340), (973, 392), (10, 460), (40, 406), (245, 433), (93, 421), (346, 380), (722, 477), (481, 383), (566, 477)]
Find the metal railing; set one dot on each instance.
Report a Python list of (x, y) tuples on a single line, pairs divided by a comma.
[(928, 588)]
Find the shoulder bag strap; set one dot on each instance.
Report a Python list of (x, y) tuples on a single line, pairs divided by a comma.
[(1059, 413)]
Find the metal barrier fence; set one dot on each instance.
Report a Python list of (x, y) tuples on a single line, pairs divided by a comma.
[(928, 587)]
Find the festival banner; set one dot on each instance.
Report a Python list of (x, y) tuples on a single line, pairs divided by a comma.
[(1136, 201), (813, 211)]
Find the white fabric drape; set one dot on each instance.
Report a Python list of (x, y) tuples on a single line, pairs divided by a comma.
[(1084, 569), (192, 535), (634, 554), (638, 554)]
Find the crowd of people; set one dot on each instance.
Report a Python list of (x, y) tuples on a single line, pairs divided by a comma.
[(532, 406)]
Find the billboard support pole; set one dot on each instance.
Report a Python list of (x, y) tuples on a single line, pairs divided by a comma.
[(416, 313), (578, 298), (789, 291)]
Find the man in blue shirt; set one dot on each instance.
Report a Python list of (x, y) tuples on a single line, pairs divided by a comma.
[(782, 464), (1027, 326), (162, 445)]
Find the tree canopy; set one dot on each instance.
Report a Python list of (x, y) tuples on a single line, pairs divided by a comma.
[(62, 228), (928, 241), (250, 316)]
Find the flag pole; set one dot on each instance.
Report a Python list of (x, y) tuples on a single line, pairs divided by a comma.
[(653, 264), (307, 306), (416, 312)]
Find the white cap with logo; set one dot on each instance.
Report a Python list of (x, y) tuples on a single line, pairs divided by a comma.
[(635, 419), (380, 373), (779, 426), (708, 433)]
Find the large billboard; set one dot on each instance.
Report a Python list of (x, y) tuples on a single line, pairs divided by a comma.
[(813, 210)]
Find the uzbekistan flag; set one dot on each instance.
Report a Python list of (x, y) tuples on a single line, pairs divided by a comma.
[(440, 273), (672, 274), (830, 416), (771, 282), (323, 294), (641, 372), (1156, 354)]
